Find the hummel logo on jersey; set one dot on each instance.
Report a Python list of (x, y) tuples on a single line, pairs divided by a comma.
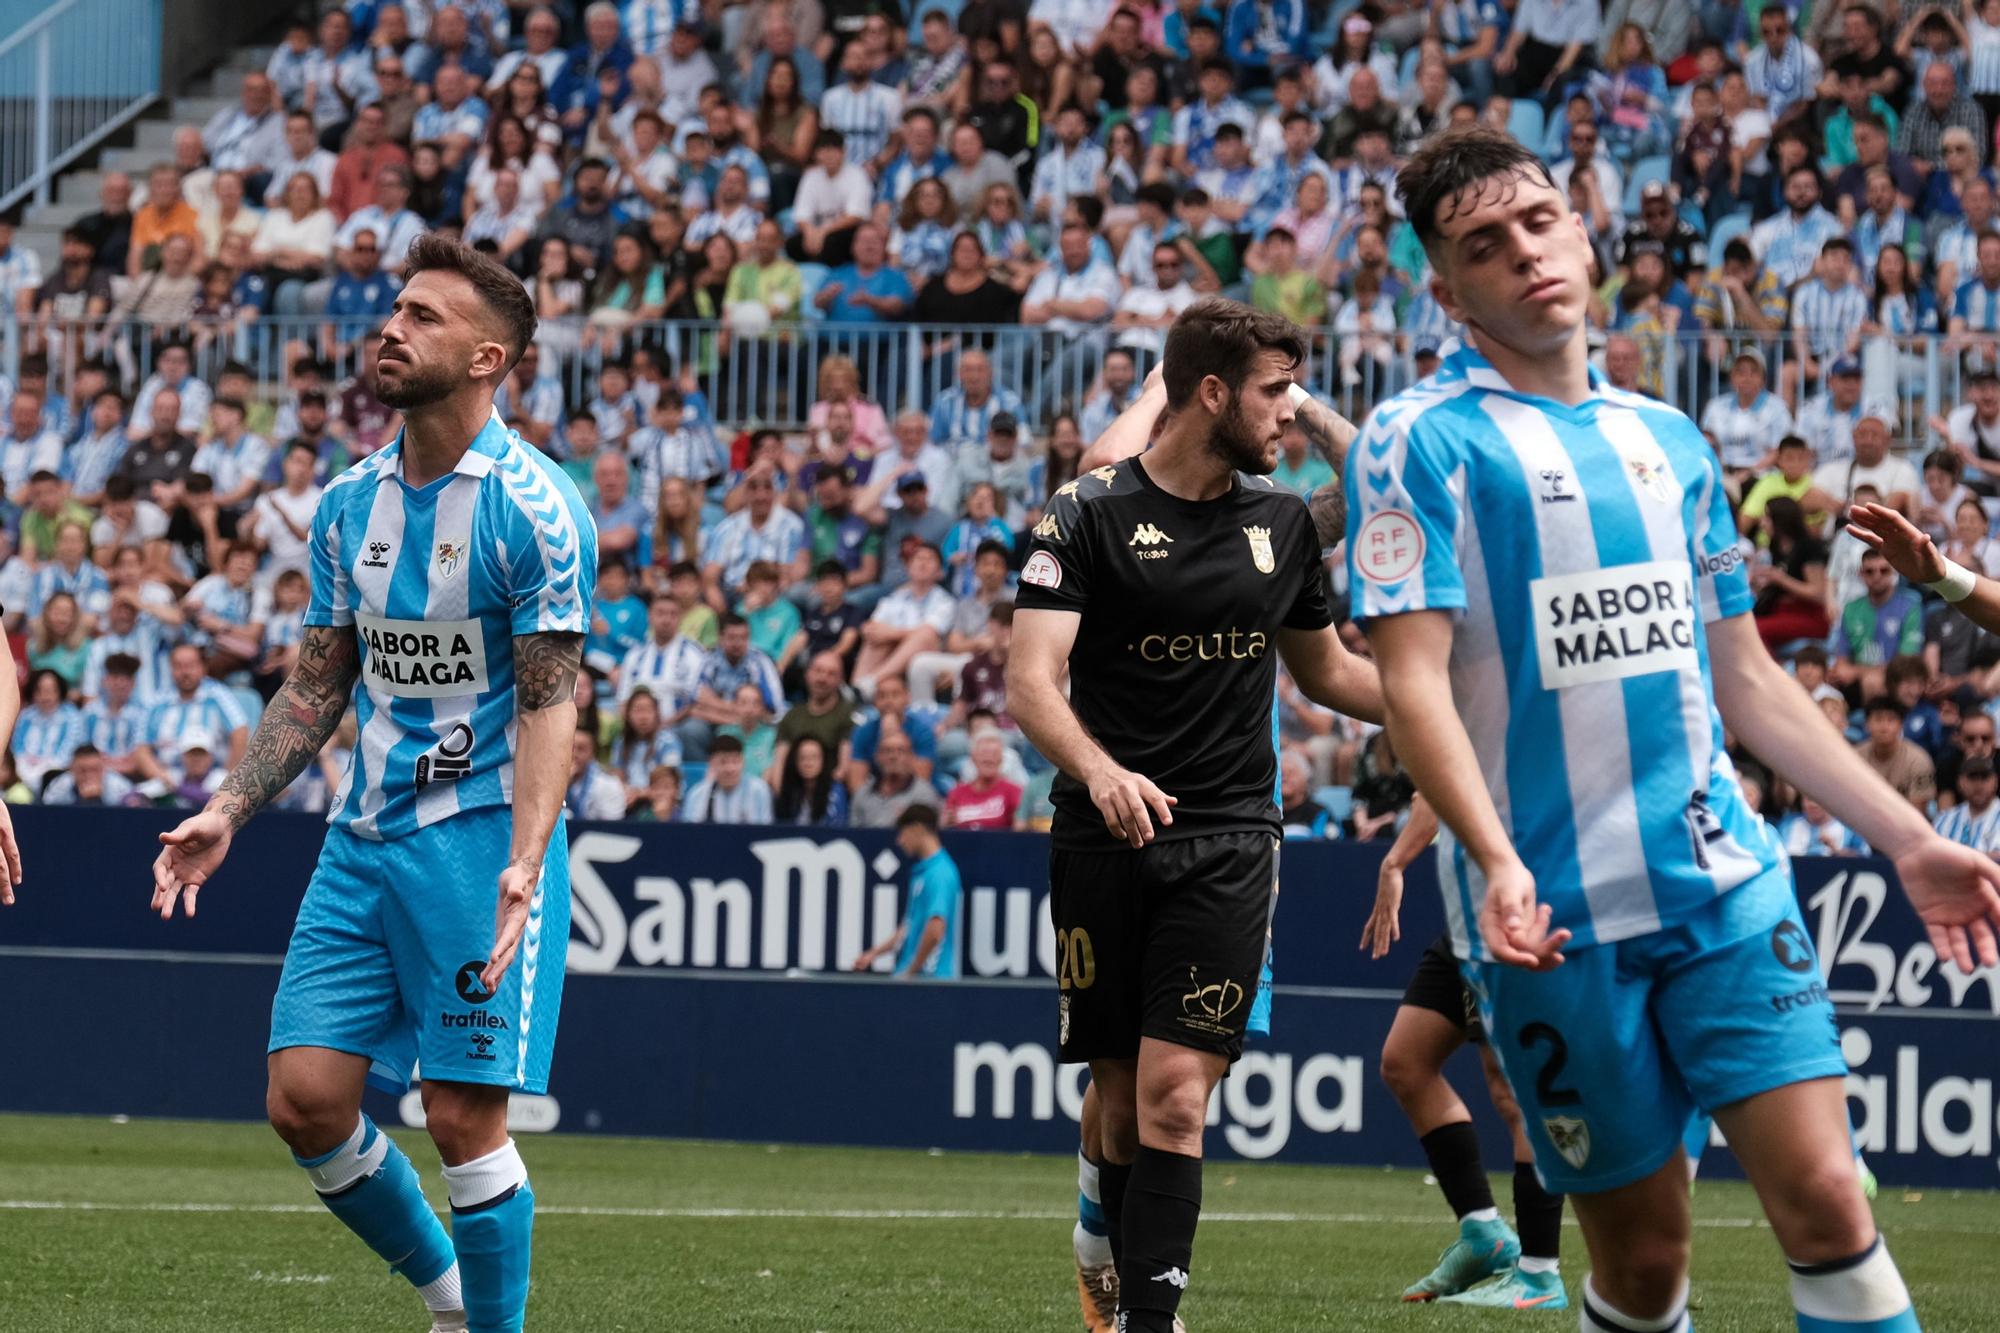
[(377, 550), (1552, 480), (1177, 1276), (1148, 535)]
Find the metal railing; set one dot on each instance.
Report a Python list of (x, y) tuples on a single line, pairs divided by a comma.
[(69, 77), (773, 380)]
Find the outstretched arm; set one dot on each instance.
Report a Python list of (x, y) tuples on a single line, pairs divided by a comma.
[(545, 667), (1384, 921), (1916, 557), (300, 719)]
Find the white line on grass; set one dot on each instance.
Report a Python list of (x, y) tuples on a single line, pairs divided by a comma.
[(860, 1214)]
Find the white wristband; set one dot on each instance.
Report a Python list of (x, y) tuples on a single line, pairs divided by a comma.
[(1299, 396), (1957, 583)]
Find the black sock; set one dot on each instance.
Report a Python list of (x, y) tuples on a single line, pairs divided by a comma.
[(1538, 1215), (1111, 1182), (1161, 1211), (1453, 1152)]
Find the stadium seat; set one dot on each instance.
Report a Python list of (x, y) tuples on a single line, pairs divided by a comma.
[(1336, 801), (691, 773), (1643, 172), (1728, 229), (1524, 122)]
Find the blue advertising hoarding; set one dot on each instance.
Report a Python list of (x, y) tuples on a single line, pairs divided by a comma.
[(705, 997)]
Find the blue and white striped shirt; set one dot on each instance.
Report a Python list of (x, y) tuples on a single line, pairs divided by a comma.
[(637, 758), (755, 667), (902, 174), (692, 453), (1802, 837), (435, 121), (146, 642), (1743, 435), (87, 584), (1982, 71), (437, 583), (21, 459), (737, 543), (1196, 123), (1582, 549), (1978, 305), (209, 718), (115, 732), (230, 465), (922, 252), (1871, 234), (867, 117), (748, 802), (89, 463), (670, 671), (1063, 172), (1981, 831), (46, 740), (1828, 317), (1790, 247), (956, 424)]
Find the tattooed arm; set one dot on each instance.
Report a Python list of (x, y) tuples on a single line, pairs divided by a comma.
[(301, 717), (1329, 432), (545, 667)]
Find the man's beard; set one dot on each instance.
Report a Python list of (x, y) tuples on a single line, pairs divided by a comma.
[(1232, 440), (415, 386)]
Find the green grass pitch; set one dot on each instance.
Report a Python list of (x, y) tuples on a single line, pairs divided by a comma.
[(175, 1227)]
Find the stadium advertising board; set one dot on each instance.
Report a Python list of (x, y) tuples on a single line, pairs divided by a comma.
[(698, 1006)]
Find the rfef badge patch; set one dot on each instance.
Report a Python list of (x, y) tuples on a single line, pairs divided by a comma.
[(1389, 548), (1042, 570)]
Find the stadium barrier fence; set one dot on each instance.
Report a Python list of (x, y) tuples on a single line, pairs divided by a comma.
[(705, 998), (772, 380)]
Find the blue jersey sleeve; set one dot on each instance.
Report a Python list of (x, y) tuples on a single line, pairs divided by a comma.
[(1405, 497), (1722, 584), (551, 552), (331, 600)]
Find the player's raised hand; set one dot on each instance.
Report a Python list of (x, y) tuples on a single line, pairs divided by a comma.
[(191, 853), (1956, 892), (1384, 922), (510, 918), (11, 850), (1129, 804), (1909, 550), (1516, 927)]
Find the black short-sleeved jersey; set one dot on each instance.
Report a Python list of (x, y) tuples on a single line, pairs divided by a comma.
[(1175, 662)]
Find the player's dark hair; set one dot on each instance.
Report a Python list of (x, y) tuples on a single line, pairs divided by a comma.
[(1448, 173), (500, 291), (918, 815), (1223, 338)]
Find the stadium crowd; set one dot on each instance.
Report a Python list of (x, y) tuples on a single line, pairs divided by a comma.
[(812, 627)]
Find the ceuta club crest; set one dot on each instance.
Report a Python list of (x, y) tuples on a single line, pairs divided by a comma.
[(1260, 549), (450, 557)]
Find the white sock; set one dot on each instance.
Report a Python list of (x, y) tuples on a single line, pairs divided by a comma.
[(442, 1293), (1860, 1290), (350, 1162), (1482, 1215), (488, 1177), (1600, 1317), (1530, 1264)]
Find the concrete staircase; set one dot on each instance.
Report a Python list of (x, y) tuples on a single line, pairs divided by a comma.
[(152, 141)]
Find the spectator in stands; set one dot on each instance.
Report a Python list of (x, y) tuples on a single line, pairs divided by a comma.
[(164, 298), (1886, 622), (1971, 743), (726, 794), (1975, 819), (1789, 243), (293, 245), (1811, 831), (109, 228), (400, 99), (732, 665), (911, 619), (1791, 585), (227, 216), (359, 168), (1900, 762), (512, 149), (1975, 308), (593, 792), (221, 614), (301, 156), (339, 79), (1828, 311), (89, 782), (975, 169), (388, 215), (1973, 430), (808, 795), (1003, 466), (197, 710), (1871, 464), (166, 213), (823, 714), (644, 744), (989, 801), (94, 457), (667, 663), (588, 219), (1827, 421), (28, 448), (248, 138), (450, 41), (761, 530), (978, 654), (59, 640)]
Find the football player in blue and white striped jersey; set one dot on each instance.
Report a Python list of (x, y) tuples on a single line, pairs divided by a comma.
[(1547, 569), (451, 581)]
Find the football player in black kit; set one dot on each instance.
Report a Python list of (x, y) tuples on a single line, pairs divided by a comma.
[(1177, 577)]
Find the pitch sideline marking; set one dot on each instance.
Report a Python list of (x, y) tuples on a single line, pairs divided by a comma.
[(863, 1214)]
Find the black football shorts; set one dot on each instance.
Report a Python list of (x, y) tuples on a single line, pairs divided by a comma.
[(1439, 987)]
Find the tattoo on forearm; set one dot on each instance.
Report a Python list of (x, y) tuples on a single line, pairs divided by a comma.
[(1329, 431), (545, 667), (297, 724)]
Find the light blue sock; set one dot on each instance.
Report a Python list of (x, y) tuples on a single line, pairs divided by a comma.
[(370, 1185), (492, 1224), (1863, 1294)]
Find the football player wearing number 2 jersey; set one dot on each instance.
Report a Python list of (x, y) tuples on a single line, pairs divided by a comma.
[(1547, 570), (452, 577)]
